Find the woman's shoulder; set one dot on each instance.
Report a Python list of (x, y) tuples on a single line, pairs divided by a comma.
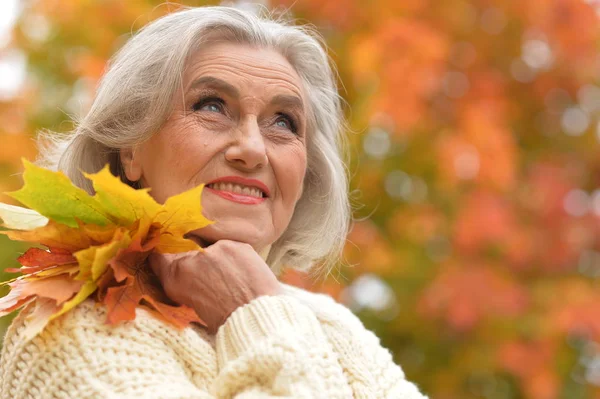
[(68, 345), (84, 329), (88, 320)]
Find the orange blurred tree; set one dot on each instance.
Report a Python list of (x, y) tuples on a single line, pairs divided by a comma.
[(475, 163)]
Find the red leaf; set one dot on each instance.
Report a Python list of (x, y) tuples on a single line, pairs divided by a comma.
[(37, 258), (129, 261), (41, 257), (104, 283), (180, 316), (121, 301)]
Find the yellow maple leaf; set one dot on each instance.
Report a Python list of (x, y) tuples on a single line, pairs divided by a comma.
[(96, 244)]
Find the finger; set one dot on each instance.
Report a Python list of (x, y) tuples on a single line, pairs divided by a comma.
[(163, 265), (227, 246), (160, 263)]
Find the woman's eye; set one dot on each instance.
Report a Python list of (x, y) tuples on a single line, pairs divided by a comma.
[(211, 107), (211, 104), (286, 122), (283, 123)]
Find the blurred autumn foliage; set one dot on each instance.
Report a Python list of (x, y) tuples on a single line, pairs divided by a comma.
[(475, 166)]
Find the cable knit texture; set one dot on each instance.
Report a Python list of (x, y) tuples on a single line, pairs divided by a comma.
[(295, 345)]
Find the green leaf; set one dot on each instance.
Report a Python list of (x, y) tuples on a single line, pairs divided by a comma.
[(53, 195)]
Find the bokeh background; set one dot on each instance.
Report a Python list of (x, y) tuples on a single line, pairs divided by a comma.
[(475, 162)]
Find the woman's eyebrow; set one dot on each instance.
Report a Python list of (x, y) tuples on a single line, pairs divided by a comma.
[(216, 84), (287, 101)]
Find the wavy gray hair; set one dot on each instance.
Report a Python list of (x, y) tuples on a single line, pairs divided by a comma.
[(136, 94)]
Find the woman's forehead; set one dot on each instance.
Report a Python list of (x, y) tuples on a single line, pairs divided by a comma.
[(241, 65)]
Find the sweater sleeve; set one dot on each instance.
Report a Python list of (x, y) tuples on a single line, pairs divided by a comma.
[(275, 347), (368, 367)]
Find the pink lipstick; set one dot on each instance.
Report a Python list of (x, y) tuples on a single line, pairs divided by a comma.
[(239, 189)]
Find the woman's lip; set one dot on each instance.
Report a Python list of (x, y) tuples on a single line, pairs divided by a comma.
[(239, 198), (242, 180)]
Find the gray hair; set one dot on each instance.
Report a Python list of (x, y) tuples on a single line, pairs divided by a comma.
[(135, 98)]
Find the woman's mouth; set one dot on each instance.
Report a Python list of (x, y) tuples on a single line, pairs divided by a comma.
[(237, 192)]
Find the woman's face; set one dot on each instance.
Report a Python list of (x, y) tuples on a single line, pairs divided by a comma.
[(238, 126)]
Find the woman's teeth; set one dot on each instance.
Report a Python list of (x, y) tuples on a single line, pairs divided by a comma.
[(237, 189)]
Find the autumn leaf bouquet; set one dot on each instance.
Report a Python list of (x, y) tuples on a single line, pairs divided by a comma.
[(94, 246)]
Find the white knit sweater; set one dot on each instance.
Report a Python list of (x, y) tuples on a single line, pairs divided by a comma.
[(295, 345)]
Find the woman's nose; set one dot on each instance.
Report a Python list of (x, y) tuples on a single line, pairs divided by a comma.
[(248, 149)]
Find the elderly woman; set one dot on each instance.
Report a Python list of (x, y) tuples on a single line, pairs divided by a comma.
[(249, 107)]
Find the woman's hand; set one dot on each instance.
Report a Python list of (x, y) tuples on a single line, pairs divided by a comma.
[(216, 281)]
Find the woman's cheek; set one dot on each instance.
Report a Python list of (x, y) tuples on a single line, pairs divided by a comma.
[(292, 173)]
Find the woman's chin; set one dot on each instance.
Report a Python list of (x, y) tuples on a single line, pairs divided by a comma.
[(209, 235)]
